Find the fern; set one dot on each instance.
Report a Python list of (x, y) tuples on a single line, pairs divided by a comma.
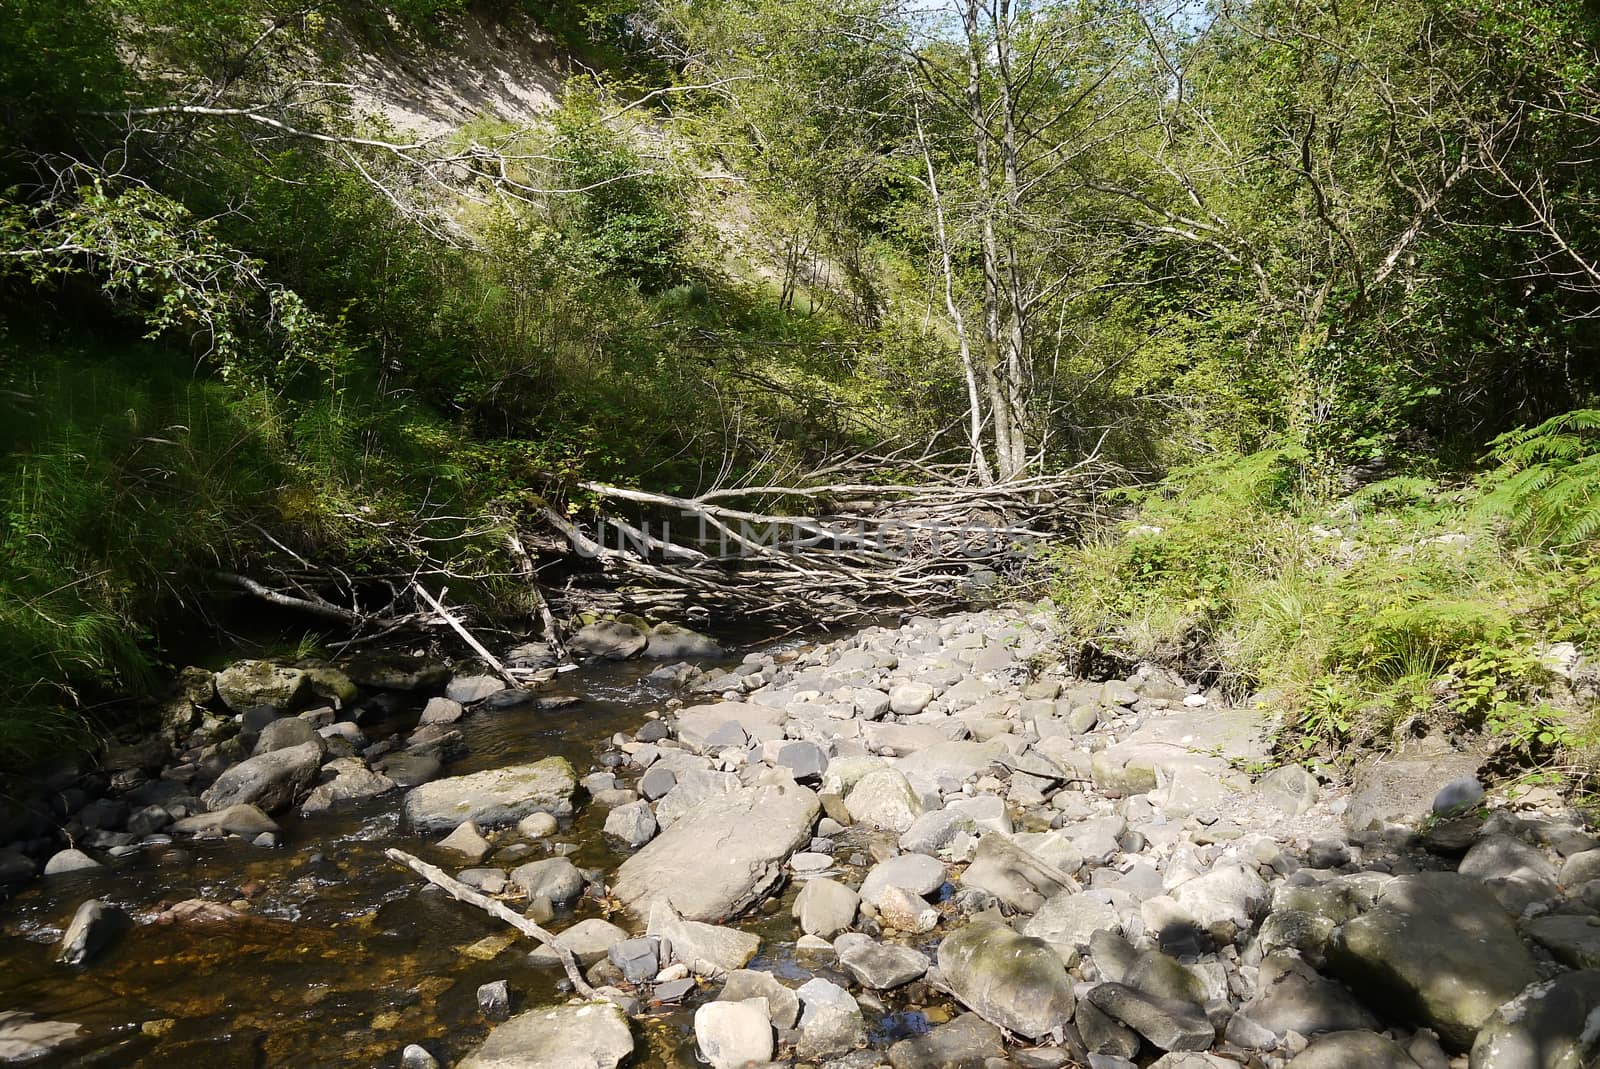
[(1546, 489)]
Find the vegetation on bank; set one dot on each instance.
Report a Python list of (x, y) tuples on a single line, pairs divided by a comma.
[(1264, 259), (1412, 605)]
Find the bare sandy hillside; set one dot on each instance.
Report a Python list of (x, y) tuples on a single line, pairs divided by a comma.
[(505, 71)]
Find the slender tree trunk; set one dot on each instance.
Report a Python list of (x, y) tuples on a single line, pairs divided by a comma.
[(1015, 335), (992, 366), (980, 461)]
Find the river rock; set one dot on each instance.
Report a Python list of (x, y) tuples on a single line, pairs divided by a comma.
[(825, 907), (93, 928), (352, 780), (1293, 997), (669, 642), (69, 860), (15, 867), (409, 770), (909, 699), (251, 683), (1290, 788), (964, 1043), (246, 821), (611, 640), (284, 733), (492, 798), (723, 855), (880, 966), (707, 949), (934, 831), (1551, 1025), (883, 799), (1517, 874), (830, 1021), (1401, 790), (1438, 949), (554, 878), (1012, 981), (473, 688), (1067, 920), (783, 1005), (1347, 1050), (634, 823), (441, 711), (1168, 1023), (732, 1035), (898, 908), (271, 782), (400, 671), (26, 1038), (1573, 939), (589, 940), (1226, 902), (590, 1035), (917, 873), (467, 841)]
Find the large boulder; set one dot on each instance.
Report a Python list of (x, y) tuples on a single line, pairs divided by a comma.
[(271, 782), (1010, 980), (1401, 790), (1437, 949), (722, 856), (590, 1035), (489, 799), (251, 683)]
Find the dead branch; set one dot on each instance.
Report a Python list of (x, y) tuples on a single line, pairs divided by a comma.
[(500, 911)]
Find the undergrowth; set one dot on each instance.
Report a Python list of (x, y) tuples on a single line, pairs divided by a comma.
[(1409, 606)]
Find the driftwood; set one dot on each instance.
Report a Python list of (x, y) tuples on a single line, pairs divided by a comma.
[(466, 636), (829, 552), (500, 911)]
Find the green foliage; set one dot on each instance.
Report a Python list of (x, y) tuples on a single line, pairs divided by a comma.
[(1546, 488)]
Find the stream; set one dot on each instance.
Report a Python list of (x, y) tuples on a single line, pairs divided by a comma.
[(342, 958)]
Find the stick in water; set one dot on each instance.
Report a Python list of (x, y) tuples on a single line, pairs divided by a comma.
[(462, 893)]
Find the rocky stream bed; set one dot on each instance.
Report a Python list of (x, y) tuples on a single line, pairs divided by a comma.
[(923, 846)]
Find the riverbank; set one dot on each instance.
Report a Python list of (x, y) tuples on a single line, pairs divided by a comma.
[(927, 845)]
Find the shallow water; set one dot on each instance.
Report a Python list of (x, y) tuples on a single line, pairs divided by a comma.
[(342, 958)]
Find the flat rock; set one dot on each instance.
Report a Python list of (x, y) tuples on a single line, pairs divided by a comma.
[(1573, 939), (1167, 1023), (880, 966), (611, 640), (248, 684), (492, 798), (917, 873), (723, 855), (1292, 997), (246, 821), (590, 1035)]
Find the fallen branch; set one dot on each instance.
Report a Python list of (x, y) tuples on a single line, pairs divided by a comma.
[(455, 625), (500, 911)]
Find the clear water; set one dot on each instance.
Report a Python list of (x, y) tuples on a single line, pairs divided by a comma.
[(341, 959)]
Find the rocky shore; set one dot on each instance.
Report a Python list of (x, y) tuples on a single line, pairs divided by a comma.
[(960, 855)]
